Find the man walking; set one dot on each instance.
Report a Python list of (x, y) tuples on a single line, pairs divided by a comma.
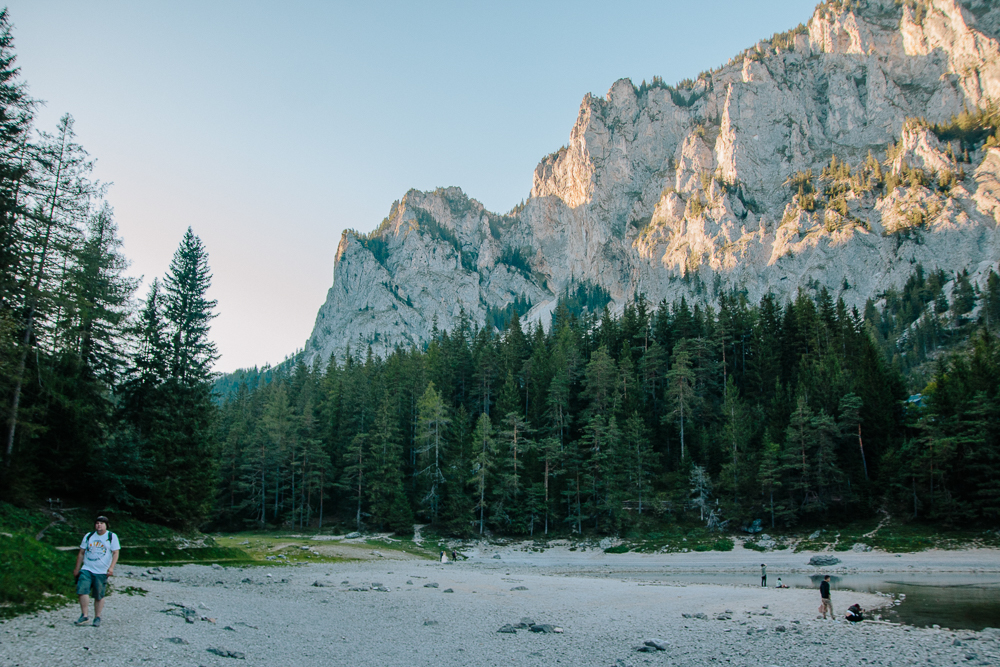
[(94, 564), (763, 575), (824, 594)]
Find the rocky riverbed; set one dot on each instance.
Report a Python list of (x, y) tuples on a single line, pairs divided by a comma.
[(392, 613)]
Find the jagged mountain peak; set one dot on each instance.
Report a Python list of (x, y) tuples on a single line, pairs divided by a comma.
[(822, 156)]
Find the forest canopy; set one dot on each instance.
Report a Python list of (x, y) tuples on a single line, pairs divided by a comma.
[(786, 413)]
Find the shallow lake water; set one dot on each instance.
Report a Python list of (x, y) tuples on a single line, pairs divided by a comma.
[(956, 601)]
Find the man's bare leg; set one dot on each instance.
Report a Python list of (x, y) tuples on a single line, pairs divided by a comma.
[(85, 604), (98, 607)]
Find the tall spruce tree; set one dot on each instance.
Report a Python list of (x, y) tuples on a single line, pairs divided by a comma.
[(183, 440), (432, 425), (484, 449), (189, 312), (680, 394)]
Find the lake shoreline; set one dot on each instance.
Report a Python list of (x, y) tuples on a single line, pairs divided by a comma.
[(974, 560)]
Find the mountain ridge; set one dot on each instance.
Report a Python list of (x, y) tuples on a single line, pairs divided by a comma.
[(812, 159)]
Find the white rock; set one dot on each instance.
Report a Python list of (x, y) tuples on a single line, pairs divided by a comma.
[(673, 192)]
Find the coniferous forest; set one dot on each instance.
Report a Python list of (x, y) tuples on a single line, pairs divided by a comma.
[(792, 413), (104, 399), (789, 413)]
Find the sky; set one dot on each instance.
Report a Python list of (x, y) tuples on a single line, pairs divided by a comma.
[(269, 127)]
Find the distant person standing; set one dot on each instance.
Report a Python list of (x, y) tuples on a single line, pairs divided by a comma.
[(763, 575), (824, 594), (94, 564)]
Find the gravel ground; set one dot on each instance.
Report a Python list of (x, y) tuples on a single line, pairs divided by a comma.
[(277, 616)]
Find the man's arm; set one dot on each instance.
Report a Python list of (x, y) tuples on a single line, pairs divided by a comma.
[(79, 562), (114, 559)]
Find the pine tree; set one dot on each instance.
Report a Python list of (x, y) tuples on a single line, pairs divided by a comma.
[(572, 456), (641, 460), (515, 443), (825, 468), (701, 489), (278, 426), (189, 312), (736, 435), (386, 495), (680, 394), (16, 111), (549, 451), (60, 199), (356, 473), (850, 425), (483, 462), (432, 425), (182, 436), (769, 475), (797, 455), (99, 298), (601, 441), (991, 300)]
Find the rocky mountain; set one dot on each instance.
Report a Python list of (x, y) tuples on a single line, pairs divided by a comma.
[(829, 155)]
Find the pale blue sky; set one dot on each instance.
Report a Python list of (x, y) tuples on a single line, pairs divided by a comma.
[(271, 127)]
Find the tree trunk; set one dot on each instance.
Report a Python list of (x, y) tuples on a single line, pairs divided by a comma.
[(862, 448), (546, 495), (322, 478)]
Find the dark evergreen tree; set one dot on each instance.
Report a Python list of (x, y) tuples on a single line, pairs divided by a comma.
[(181, 421)]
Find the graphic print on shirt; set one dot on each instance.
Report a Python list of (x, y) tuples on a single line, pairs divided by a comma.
[(97, 550)]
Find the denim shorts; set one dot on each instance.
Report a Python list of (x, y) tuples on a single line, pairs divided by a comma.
[(91, 584)]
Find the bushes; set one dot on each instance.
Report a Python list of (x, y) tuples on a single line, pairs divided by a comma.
[(724, 544)]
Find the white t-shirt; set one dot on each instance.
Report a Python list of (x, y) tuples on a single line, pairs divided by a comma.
[(99, 548)]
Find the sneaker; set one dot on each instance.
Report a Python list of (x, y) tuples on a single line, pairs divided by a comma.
[(97, 621), (82, 620)]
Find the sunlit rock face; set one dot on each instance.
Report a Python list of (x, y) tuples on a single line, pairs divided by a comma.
[(706, 186)]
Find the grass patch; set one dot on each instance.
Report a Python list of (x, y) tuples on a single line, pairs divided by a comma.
[(287, 548), (33, 575), (163, 555), (620, 549), (134, 590)]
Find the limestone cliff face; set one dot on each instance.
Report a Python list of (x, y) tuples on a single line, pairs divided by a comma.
[(722, 182)]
